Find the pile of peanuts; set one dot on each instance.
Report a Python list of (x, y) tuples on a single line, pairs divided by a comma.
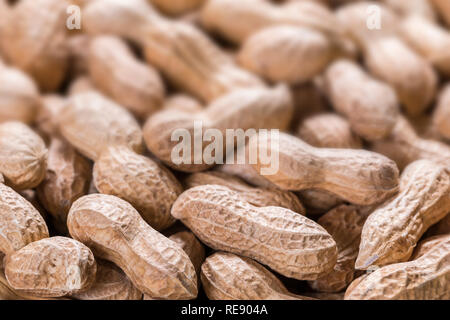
[(92, 205)]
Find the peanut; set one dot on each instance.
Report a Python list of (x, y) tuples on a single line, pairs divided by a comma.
[(110, 284), (23, 156), (344, 224), (19, 96), (179, 50), (226, 276), (428, 39), (358, 176), (113, 69), (67, 179), (145, 184), (441, 115), (80, 85), (286, 53), (371, 106), (236, 21), (424, 199), (182, 102), (223, 221), (422, 8), (52, 267), (425, 278), (405, 146), (20, 222), (43, 54), (115, 231), (46, 119), (91, 122), (270, 108), (258, 197), (318, 201), (328, 130)]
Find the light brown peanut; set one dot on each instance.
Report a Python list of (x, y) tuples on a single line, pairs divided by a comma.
[(269, 108), (68, 178), (358, 176), (149, 187), (20, 222), (258, 197), (286, 53), (236, 21), (428, 39), (318, 201), (186, 56), (182, 102), (91, 122), (370, 105), (115, 231), (392, 231), (221, 220), (43, 54), (110, 284), (405, 146), (425, 278), (344, 224), (328, 130), (46, 119), (226, 276), (441, 117), (177, 7), (80, 85), (114, 69), (23, 156), (52, 267), (19, 96)]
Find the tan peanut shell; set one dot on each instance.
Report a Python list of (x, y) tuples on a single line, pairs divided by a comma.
[(358, 176), (43, 54), (405, 146), (149, 187), (91, 122), (115, 231), (177, 7), (236, 21), (425, 278), (410, 75), (20, 222), (441, 117), (269, 108), (428, 39), (80, 85), (392, 231), (183, 53), (226, 276), (110, 284), (120, 75), (193, 248), (277, 237), (52, 267), (23, 156), (68, 178), (286, 53), (370, 105), (344, 224), (19, 96), (258, 197), (328, 130)]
